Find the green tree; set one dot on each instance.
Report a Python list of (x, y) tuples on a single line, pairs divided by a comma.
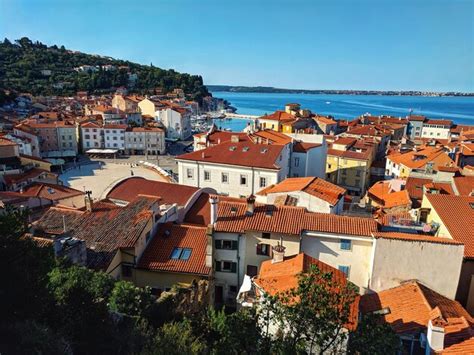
[(373, 336), (130, 300), (312, 316), (176, 338)]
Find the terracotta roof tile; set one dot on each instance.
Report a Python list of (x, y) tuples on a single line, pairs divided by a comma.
[(415, 238), (280, 116), (241, 154), (129, 189), (464, 185), (410, 307), (232, 217), (157, 255), (457, 214), (312, 185), (106, 229), (303, 147)]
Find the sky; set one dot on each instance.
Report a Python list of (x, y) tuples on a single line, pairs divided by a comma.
[(334, 44)]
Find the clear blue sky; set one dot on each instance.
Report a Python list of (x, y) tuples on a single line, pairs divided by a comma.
[(333, 44)]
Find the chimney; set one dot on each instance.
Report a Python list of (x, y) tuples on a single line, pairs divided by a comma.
[(278, 252), (203, 155), (209, 246), (435, 335), (250, 205), (213, 200), (88, 201)]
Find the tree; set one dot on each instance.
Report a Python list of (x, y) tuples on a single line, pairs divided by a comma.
[(130, 300), (373, 336), (314, 316), (176, 338)]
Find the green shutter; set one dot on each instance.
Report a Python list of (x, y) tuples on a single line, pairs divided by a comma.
[(235, 245), (218, 243), (234, 268), (218, 265)]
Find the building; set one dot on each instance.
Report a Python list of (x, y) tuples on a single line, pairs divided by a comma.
[(313, 193), (176, 120), (292, 120), (235, 168), (347, 167), (415, 126), (425, 159), (455, 217), (114, 136), (389, 196), (436, 129), (92, 135), (145, 140), (178, 254), (426, 321), (125, 103)]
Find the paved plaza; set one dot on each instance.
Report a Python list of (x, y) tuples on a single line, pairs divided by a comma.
[(100, 176)]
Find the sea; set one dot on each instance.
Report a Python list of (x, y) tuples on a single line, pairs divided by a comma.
[(456, 108)]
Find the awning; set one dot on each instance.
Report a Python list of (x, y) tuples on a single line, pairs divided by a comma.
[(102, 151)]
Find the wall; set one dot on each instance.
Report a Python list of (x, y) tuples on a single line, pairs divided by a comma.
[(312, 203), (161, 280), (432, 131), (327, 248), (436, 265), (226, 279), (248, 248), (147, 107), (232, 187)]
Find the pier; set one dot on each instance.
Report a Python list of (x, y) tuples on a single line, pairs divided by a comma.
[(246, 117)]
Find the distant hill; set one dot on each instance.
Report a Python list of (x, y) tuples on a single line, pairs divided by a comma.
[(33, 67), (269, 89)]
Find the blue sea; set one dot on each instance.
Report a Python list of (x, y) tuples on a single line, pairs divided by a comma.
[(458, 109)]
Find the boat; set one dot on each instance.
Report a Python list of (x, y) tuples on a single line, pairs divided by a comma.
[(328, 102)]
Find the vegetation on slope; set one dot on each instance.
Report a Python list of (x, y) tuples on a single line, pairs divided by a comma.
[(25, 66)]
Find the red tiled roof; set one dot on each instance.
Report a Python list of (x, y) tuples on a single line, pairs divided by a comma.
[(281, 116), (464, 185), (462, 348), (232, 217), (440, 122), (457, 214), (415, 238), (50, 191), (200, 212), (312, 185), (6, 142), (348, 154), (30, 174), (303, 147), (106, 229), (411, 306), (129, 189), (157, 255), (279, 277), (116, 126), (241, 154)]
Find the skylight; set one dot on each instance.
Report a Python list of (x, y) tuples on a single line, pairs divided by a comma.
[(181, 253)]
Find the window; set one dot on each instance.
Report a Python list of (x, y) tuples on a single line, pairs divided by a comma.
[(358, 172), (263, 249), (226, 266), (226, 244), (297, 162), (346, 244), (343, 181), (190, 173), (95, 136), (233, 289), (263, 182), (126, 271), (181, 253), (266, 235), (345, 269), (344, 172), (107, 131), (87, 136), (329, 166), (243, 180), (357, 182), (225, 178), (207, 175)]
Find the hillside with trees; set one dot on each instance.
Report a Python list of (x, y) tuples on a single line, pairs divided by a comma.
[(33, 67)]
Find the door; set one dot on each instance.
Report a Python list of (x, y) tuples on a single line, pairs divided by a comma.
[(218, 294)]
